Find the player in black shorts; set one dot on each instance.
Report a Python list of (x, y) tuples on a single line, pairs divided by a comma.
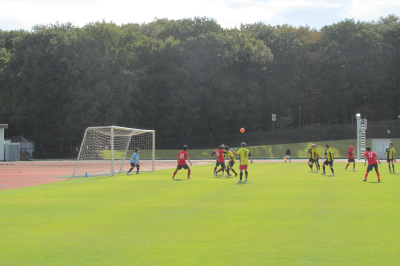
[(391, 155), (316, 158), (218, 163), (329, 159), (310, 156), (232, 161)]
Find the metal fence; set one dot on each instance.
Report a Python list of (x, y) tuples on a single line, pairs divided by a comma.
[(283, 136), (54, 153), (314, 133)]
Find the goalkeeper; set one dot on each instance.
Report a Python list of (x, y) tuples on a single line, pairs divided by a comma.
[(135, 162)]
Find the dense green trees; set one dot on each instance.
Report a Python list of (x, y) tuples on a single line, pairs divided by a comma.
[(192, 77)]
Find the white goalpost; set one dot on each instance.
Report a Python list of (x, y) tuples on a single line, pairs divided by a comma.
[(107, 150)]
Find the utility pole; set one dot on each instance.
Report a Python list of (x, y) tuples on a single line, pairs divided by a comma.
[(299, 115), (273, 126)]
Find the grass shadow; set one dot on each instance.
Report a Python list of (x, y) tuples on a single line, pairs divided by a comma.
[(99, 177), (243, 183), (176, 179)]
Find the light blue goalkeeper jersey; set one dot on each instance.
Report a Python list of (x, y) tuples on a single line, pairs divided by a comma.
[(134, 158)]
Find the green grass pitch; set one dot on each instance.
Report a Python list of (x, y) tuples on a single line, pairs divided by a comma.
[(284, 215)]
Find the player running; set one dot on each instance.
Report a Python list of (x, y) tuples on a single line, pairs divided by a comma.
[(329, 159), (232, 161), (316, 157), (244, 160), (181, 159), (134, 161), (370, 156), (391, 155), (351, 157), (220, 160), (310, 156)]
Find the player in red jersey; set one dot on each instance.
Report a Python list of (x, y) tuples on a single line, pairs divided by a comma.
[(181, 158), (220, 160), (351, 157), (370, 156)]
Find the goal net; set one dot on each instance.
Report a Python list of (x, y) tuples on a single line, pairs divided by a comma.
[(107, 150)]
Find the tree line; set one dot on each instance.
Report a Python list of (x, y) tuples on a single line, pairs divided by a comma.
[(191, 77)]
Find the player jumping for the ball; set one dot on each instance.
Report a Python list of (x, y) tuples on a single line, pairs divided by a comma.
[(220, 160), (181, 158), (371, 157), (232, 161), (244, 160), (217, 163)]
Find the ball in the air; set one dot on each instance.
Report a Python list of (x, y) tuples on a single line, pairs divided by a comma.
[(242, 130)]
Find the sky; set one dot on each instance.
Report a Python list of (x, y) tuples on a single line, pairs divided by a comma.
[(24, 14)]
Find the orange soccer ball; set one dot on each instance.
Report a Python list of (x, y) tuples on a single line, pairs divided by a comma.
[(242, 130)]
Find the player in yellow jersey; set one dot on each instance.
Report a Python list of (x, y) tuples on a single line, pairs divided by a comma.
[(244, 160), (391, 155), (310, 156), (232, 161), (316, 158), (329, 159)]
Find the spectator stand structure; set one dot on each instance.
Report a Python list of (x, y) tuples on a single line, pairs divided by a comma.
[(2, 128)]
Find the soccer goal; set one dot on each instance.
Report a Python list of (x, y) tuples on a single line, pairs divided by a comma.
[(107, 150)]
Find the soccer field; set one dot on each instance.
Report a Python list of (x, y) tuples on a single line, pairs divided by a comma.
[(284, 215)]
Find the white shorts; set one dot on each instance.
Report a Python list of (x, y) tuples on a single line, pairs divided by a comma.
[(287, 156)]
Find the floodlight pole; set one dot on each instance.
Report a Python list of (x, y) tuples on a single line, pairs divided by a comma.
[(358, 117), (112, 150), (273, 126), (299, 115), (154, 150)]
